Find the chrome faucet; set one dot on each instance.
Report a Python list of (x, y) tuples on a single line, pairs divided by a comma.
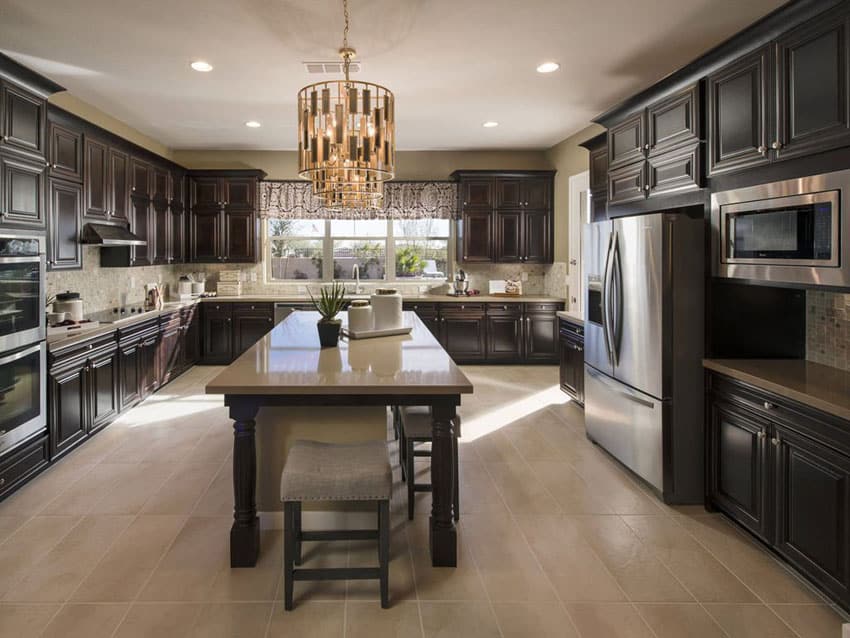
[(355, 274)]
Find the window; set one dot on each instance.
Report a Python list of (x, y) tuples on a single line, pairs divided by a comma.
[(407, 249)]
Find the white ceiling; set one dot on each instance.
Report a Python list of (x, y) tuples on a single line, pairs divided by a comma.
[(452, 63)]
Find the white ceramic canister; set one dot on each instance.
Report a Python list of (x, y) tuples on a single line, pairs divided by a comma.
[(70, 303), (359, 316), (386, 309)]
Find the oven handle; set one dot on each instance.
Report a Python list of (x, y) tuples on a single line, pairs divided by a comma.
[(29, 259), (20, 355)]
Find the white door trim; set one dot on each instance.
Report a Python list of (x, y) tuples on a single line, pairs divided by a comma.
[(579, 190)]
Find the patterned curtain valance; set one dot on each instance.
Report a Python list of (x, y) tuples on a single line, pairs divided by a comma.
[(402, 200)]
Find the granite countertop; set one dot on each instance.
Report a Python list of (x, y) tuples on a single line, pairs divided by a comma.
[(290, 360), (568, 316), (813, 384)]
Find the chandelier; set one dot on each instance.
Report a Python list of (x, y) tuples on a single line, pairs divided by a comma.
[(346, 142)]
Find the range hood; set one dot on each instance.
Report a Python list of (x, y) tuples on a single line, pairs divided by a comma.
[(109, 236)]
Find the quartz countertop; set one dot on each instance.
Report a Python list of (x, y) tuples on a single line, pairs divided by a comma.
[(290, 361), (813, 384)]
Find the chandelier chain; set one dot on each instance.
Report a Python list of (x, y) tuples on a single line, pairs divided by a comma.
[(346, 54)]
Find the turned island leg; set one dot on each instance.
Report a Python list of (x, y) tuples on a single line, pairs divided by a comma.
[(443, 536), (245, 532)]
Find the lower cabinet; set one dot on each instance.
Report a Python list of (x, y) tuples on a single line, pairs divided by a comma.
[(782, 471), (217, 347), (504, 332), (571, 359), (19, 466), (103, 389), (250, 323), (541, 336), (67, 413), (149, 365), (463, 332)]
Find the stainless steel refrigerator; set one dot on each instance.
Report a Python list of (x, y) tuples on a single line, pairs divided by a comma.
[(644, 346)]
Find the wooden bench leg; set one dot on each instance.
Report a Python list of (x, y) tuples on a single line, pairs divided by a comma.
[(384, 551), (457, 482), (297, 521), (288, 553), (411, 475), (402, 454)]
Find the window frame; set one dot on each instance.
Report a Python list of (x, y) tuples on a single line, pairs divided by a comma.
[(327, 253)]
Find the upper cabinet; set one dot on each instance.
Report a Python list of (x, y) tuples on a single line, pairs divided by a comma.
[(65, 153), (598, 162), (626, 141), (505, 216), (787, 99), (24, 118)]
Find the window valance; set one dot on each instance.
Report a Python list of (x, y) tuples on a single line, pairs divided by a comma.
[(402, 200)]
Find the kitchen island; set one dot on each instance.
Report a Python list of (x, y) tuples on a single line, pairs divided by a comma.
[(288, 368)]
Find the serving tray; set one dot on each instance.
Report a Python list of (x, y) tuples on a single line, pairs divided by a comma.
[(371, 334)]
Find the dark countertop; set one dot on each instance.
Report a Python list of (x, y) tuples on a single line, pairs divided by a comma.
[(813, 384)]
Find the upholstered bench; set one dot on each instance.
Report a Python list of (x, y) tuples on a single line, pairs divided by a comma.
[(415, 426), (335, 472)]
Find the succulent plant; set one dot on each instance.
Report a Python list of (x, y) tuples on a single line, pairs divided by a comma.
[(330, 302)]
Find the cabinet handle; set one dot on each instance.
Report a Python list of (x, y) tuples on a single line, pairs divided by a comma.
[(463, 307), (776, 145), (269, 319), (646, 147), (416, 307), (252, 307), (761, 434), (464, 203), (646, 187), (776, 440), (2, 482), (762, 150), (5, 138), (768, 405)]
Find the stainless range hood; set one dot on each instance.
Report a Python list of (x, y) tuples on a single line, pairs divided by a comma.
[(109, 236)]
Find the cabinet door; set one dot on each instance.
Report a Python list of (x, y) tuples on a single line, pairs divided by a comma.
[(177, 236), (64, 222), (24, 121), (248, 328), (191, 338), (240, 236), (103, 390), (626, 141), (67, 414), (739, 99), (217, 347), (431, 319), (161, 222), (161, 184), (536, 192), (140, 178), (476, 236), (119, 185), (598, 160), (207, 191), (140, 225), (504, 337), (129, 375), (240, 192), (508, 246), (812, 89), (813, 510), (736, 473), (170, 352), (65, 153), (673, 121), (178, 189), (97, 178), (477, 193), (22, 190), (599, 205), (206, 232), (572, 368), (464, 335), (537, 237), (149, 365), (675, 171), (541, 337), (508, 192), (627, 184)]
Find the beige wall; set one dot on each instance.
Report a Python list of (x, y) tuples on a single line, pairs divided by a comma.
[(568, 158), (94, 115), (410, 164)]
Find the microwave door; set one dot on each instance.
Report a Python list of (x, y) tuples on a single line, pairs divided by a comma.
[(597, 248)]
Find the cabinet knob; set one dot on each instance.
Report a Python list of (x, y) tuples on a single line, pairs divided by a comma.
[(646, 147), (2, 482), (462, 307), (776, 145), (270, 320), (133, 188), (776, 440), (761, 434), (768, 405), (504, 307), (90, 346), (5, 138), (464, 203), (762, 149), (646, 187)]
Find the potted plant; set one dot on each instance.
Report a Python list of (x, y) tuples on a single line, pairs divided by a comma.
[(330, 302)]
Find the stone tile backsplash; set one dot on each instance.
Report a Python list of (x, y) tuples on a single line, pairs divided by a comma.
[(828, 328), (101, 288)]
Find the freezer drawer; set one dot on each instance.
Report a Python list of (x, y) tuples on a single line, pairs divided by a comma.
[(627, 423)]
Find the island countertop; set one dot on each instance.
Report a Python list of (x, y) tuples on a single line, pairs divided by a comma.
[(290, 361)]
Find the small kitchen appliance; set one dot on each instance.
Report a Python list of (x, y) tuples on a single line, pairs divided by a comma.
[(461, 282)]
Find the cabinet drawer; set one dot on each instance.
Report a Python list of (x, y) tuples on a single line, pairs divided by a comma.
[(417, 306), (626, 141), (627, 184), (72, 353), (547, 306), (508, 308), (462, 308), (139, 330), (22, 463), (676, 171), (225, 308), (253, 307)]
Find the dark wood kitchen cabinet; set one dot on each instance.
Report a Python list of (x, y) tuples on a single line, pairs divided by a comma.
[(505, 216), (504, 332), (96, 155), (23, 121), (65, 153), (22, 192), (23, 463), (205, 234), (240, 236), (464, 327), (141, 178), (149, 365), (191, 321), (626, 141), (251, 322), (143, 226), (161, 226), (597, 148), (119, 186), (64, 223), (82, 391), (541, 332), (171, 344), (217, 335), (571, 359), (177, 235), (138, 372), (782, 470)]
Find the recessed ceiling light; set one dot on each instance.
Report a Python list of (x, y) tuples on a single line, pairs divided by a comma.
[(253, 124), (548, 67), (490, 124), (203, 67)]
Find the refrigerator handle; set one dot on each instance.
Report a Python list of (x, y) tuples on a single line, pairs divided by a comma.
[(606, 301), (619, 388), (617, 300)]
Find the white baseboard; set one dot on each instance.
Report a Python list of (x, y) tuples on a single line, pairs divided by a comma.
[(322, 520)]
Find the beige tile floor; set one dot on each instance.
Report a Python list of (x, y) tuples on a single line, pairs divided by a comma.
[(128, 536)]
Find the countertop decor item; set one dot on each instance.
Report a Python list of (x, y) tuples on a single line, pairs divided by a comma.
[(70, 303), (360, 316), (153, 297), (461, 282), (386, 309), (346, 141), (330, 302)]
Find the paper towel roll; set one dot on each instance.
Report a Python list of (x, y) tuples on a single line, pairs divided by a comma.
[(386, 311)]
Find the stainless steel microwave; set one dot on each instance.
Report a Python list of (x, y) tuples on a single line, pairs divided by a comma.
[(792, 232)]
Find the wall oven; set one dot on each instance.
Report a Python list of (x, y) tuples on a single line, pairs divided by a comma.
[(23, 390), (793, 232), (22, 291)]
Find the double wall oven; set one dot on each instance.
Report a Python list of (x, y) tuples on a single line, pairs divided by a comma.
[(791, 232), (23, 350)]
